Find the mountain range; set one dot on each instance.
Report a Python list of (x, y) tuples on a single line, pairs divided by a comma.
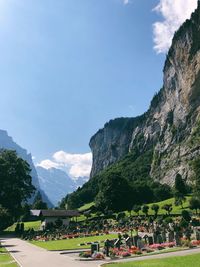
[(53, 183), (56, 183), (6, 142)]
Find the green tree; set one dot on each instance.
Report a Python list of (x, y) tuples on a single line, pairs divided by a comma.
[(179, 199), (5, 218), (145, 209), (15, 182), (180, 185), (137, 209), (186, 215), (180, 190), (25, 213), (196, 178), (161, 191), (155, 208), (63, 203), (194, 204), (168, 208), (38, 203), (120, 216), (115, 193), (87, 214)]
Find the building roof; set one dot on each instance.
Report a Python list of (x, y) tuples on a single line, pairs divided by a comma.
[(60, 213), (35, 212)]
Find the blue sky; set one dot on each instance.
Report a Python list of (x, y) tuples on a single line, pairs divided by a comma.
[(68, 66)]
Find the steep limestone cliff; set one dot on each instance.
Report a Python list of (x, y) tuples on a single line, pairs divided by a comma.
[(171, 126), (112, 142)]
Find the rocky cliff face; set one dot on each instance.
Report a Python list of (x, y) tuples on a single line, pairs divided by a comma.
[(171, 126), (111, 143)]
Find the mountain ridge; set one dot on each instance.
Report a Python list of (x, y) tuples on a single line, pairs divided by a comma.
[(56, 183), (171, 119), (7, 142)]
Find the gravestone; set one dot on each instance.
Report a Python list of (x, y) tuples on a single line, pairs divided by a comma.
[(171, 236), (164, 237), (150, 240), (129, 242), (145, 237), (107, 247), (177, 239), (188, 233), (117, 243), (197, 234), (94, 247), (159, 239), (155, 238), (135, 239), (140, 243)]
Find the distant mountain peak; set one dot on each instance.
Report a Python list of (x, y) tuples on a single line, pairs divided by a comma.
[(56, 183), (7, 142)]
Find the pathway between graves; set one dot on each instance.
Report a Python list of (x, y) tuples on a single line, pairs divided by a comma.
[(28, 255)]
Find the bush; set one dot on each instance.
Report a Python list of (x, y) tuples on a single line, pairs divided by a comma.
[(186, 215)]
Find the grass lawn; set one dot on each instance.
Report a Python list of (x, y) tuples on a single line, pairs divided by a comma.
[(70, 244), (6, 259), (2, 249), (86, 206), (27, 225), (183, 261), (176, 209)]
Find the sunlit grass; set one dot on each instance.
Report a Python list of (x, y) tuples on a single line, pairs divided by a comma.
[(27, 225), (70, 244), (6, 259), (182, 261)]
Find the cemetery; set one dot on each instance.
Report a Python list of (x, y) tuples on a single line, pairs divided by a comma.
[(118, 236)]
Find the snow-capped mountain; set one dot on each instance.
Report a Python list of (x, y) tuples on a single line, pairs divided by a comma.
[(56, 183)]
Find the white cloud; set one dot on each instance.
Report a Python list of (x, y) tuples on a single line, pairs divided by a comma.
[(48, 164), (76, 165), (126, 2), (174, 13)]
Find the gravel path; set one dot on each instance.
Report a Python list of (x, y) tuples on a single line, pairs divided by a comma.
[(28, 255)]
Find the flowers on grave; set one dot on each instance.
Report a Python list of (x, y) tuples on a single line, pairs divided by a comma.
[(163, 245), (113, 253), (156, 246), (169, 244), (125, 254), (85, 254), (55, 236), (39, 238), (186, 243), (195, 242), (133, 250), (98, 256)]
